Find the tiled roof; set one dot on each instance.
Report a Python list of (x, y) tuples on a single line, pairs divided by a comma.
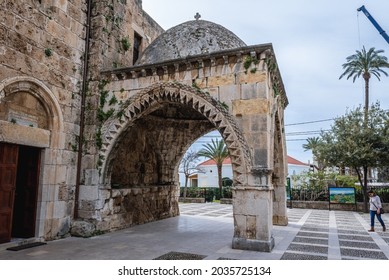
[(295, 161)]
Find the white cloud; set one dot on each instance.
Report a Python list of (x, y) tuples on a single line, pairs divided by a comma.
[(311, 40)]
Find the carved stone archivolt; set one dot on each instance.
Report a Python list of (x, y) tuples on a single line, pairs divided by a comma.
[(170, 92)]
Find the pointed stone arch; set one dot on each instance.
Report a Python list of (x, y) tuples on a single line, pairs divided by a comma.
[(147, 99)]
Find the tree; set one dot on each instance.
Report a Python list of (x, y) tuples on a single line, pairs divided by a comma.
[(357, 142), (218, 152), (188, 167), (365, 63), (311, 145)]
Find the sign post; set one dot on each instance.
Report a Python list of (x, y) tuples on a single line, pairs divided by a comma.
[(288, 192)]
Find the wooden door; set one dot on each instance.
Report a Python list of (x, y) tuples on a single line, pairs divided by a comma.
[(8, 174), (27, 182)]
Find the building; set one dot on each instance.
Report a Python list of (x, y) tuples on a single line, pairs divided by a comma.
[(98, 104), (209, 176)]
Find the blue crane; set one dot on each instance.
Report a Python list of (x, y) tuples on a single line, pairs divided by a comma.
[(376, 25)]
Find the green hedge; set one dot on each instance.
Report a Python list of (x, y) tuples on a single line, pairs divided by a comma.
[(210, 194)]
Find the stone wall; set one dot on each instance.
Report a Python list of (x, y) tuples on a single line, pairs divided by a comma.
[(325, 205), (41, 49), (123, 208), (114, 24)]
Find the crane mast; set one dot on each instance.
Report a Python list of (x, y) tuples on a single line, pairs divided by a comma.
[(373, 21)]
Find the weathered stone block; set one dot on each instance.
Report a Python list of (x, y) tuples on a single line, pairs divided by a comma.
[(91, 177), (89, 193), (82, 228), (250, 107)]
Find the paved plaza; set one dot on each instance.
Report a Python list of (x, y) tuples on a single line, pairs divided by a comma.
[(205, 231)]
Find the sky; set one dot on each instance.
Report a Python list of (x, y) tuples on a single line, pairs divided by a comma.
[(311, 40)]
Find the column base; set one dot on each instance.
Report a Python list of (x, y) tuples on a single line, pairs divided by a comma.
[(252, 244), (280, 220)]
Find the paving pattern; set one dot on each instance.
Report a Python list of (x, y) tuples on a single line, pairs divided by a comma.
[(206, 210), (205, 231), (322, 234)]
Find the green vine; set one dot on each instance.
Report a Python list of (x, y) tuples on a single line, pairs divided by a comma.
[(276, 91), (196, 86), (120, 114), (126, 45), (271, 65), (102, 116), (48, 52), (103, 97), (113, 100), (248, 62), (99, 140), (224, 105)]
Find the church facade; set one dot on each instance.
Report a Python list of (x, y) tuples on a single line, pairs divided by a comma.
[(98, 104)]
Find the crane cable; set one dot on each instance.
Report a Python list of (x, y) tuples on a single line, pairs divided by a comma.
[(359, 30)]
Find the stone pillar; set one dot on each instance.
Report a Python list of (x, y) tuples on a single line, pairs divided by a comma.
[(280, 216), (253, 214)]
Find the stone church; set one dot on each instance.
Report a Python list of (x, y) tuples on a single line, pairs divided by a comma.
[(98, 104)]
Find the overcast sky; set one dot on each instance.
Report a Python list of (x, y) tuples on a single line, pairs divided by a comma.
[(311, 40)]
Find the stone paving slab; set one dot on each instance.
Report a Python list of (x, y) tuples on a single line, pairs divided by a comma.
[(206, 230)]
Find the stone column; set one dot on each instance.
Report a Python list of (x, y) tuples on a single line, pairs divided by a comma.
[(253, 212), (280, 216)]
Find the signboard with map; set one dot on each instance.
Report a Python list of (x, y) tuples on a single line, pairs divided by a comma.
[(341, 195)]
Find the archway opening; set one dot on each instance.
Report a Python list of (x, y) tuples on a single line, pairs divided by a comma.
[(144, 165), (199, 174)]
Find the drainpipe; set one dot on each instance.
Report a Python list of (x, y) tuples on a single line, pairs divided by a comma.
[(82, 114)]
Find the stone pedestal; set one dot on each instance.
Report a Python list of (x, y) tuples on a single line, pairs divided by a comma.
[(253, 218)]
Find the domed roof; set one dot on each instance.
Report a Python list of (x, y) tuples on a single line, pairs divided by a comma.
[(190, 38)]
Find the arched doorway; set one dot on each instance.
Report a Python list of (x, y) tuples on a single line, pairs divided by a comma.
[(30, 122)]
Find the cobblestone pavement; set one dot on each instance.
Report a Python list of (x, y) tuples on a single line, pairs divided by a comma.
[(206, 230)]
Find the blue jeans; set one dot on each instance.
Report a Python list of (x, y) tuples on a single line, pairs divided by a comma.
[(372, 216)]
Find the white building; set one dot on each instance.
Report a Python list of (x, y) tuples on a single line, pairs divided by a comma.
[(209, 177), (296, 167)]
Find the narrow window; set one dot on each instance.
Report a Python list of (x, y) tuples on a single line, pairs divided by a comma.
[(137, 47)]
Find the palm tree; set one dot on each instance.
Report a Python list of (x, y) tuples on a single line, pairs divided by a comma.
[(311, 145), (218, 152), (365, 64)]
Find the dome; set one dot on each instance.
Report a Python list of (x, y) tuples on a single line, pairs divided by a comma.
[(188, 39)]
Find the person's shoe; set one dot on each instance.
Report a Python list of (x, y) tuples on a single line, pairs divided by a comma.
[(384, 228), (371, 230)]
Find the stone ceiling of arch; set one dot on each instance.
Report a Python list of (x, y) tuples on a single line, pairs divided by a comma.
[(149, 150), (178, 112)]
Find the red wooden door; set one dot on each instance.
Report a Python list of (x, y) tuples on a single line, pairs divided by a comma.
[(8, 172)]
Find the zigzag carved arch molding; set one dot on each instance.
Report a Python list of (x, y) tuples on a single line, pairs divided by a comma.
[(198, 100)]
